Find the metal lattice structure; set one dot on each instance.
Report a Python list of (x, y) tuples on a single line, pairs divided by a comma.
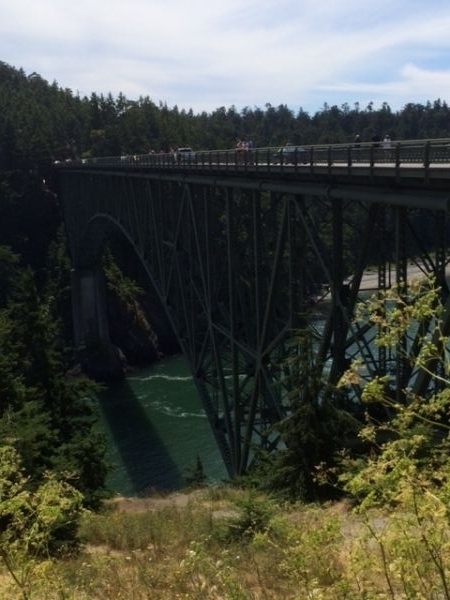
[(242, 260)]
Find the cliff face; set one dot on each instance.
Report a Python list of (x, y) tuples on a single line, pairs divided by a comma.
[(139, 335), (141, 330)]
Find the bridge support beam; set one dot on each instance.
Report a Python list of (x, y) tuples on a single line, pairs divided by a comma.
[(90, 322)]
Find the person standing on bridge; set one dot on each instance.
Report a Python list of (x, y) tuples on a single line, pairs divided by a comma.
[(387, 147), (250, 146), (241, 147)]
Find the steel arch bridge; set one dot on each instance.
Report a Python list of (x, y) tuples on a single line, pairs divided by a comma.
[(243, 250)]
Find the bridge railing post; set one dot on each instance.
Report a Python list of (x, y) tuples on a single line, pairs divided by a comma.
[(311, 157), (426, 155), (372, 155), (397, 159), (329, 156)]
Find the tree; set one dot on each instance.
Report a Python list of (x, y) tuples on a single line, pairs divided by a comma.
[(38, 518), (8, 266), (419, 430), (407, 469), (47, 416), (313, 432), (195, 476)]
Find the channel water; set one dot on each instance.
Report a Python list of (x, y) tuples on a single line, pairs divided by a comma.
[(156, 430)]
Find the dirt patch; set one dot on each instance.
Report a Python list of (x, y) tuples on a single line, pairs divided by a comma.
[(138, 504)]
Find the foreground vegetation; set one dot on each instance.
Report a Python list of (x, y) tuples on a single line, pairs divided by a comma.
[(387, 537), (228, 543)]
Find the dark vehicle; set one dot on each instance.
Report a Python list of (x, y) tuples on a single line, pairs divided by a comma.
[(291, 155), (185, 155)]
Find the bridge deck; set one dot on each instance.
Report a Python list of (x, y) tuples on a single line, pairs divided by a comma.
[(420, 163)]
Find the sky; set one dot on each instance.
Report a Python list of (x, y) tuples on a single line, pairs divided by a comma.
[(208, 54)]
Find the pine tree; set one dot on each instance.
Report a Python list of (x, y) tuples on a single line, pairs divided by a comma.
[(48, 416), (313, 431)]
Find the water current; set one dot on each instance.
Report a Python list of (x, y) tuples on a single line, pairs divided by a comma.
[(156, 429)]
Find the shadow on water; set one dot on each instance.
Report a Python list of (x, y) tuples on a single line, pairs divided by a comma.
[(137, 452)]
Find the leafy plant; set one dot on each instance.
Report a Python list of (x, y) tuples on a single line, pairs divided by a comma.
[(408, 469), (37, 519)]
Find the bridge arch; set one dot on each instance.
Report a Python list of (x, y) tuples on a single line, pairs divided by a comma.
[(100, 229)]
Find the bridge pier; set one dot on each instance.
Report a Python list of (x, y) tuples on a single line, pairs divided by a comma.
[(89, 306), (93, 349)]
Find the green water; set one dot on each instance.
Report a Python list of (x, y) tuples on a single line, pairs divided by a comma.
[(156, 428)]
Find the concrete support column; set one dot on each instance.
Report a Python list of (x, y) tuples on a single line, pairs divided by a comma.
[(89, 314)]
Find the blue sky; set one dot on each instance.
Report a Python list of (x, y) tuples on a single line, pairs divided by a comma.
[(206, 54)]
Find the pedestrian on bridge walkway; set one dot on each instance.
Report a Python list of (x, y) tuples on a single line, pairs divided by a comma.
[(387, 147)]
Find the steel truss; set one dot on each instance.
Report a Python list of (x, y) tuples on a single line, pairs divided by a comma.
[(240, 268)]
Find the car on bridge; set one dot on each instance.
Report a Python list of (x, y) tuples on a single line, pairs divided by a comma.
[(291, 155), (185, 155)]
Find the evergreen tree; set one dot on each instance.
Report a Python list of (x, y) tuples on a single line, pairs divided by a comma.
[(48, 416), (313, 433)]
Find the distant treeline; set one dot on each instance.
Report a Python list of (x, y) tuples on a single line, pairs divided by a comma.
[(41, 122)]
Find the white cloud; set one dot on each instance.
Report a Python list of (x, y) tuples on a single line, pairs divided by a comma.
[(206, 55)]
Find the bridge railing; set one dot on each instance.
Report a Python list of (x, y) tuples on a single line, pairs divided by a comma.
[(405, 152)]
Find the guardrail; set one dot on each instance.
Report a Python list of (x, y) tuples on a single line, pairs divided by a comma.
[(422, 153)]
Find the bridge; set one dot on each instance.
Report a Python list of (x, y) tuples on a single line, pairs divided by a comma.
[(245, 249)]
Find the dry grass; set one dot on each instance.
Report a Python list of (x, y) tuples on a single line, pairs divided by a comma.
[(221, 544)]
